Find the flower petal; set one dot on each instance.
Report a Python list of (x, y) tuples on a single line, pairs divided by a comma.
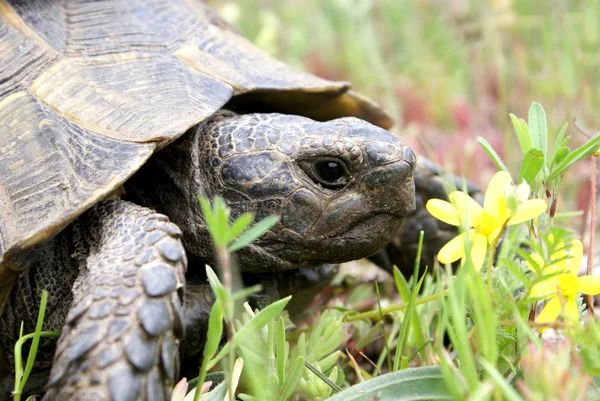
[(565, 262), (527, 211), (589, 285), (466, 207), (544, 289), (550, 311), (558, 260), (179, 391), (453, 250), (575, 255), (502, 212), (444, 211), (478, 251), (536, 264), (492, 237), (571, 311), (495, 192)]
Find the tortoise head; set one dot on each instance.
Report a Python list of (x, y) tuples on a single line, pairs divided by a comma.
[(341, 188)]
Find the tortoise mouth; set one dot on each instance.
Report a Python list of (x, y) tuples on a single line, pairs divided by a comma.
[(366, 237)]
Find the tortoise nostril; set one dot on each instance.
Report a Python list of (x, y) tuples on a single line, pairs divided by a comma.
[(381, 153), (410, 157)]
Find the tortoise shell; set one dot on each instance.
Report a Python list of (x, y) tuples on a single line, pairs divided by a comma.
[(89, 90)]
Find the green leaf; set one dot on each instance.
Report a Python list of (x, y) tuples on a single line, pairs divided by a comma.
[(422, 383), (559, 138), (329, 336), (244, 293), (369, 337), (253, 233), (221, 221), (271, 362), (213, 279), (19, 382), (238, 226), (217, 394), (207, 213), (487, 323), (522, 133), (329, 361), (453, 377), (215, 285), (255, 377), (409, 315), (213, 339), (291, 383), (509, 393), (317, 370), (456, 326), (492, 153), (533, 161), (585, 150), (565, 141), (559, 156), (21, 376), (215, 377), (281, 354), (537, 127), (483, 392), (262, 318)]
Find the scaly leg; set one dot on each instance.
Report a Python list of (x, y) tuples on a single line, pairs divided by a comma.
[(121, 336)]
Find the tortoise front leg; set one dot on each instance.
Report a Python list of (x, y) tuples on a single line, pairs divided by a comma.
[(121, 336)]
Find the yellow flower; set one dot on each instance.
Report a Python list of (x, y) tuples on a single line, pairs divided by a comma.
[(485, 223), (563, 288), (560, 259)]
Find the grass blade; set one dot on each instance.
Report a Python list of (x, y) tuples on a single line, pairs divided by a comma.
[(213, 338), (492, 154), (580, 153), (21, 379)]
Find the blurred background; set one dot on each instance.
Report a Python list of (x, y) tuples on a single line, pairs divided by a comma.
[(449, 70)]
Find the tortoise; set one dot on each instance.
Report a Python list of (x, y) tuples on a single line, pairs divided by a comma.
[(114, 116)]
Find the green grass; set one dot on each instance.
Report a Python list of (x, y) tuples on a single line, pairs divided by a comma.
[(448, 71), (443, 50)]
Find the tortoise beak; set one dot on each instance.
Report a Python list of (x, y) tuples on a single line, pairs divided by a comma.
[(367, 220), (386, 191)]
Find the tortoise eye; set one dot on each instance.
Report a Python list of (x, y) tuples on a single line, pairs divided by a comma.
[(330, 172)]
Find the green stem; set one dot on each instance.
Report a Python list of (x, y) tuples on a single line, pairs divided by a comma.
[(385, 338), (491, 259), (374, 314), (21, 375), (589, 299), (21, 381), (225, 264)]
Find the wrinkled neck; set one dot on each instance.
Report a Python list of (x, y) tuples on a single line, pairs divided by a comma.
[(170, 183)]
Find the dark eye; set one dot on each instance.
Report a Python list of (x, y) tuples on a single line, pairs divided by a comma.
[(329, 173)]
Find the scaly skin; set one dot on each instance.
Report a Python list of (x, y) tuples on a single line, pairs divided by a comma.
[(261, 163), (125, 263)]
